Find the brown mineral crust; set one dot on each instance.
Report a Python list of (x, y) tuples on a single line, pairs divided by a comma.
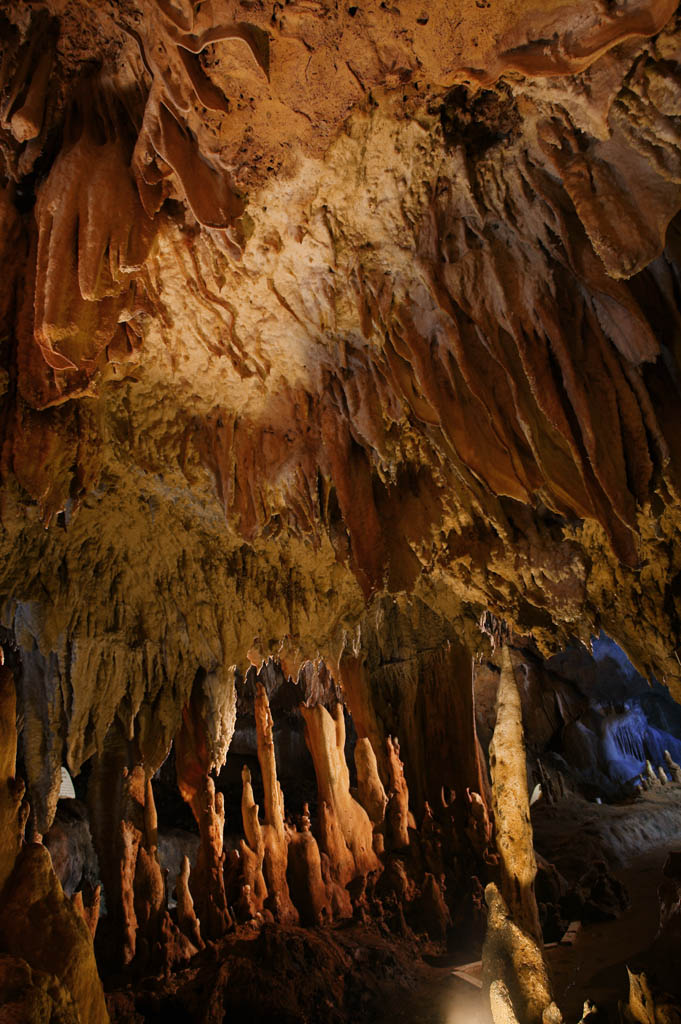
[(39, 924), (33, 996)]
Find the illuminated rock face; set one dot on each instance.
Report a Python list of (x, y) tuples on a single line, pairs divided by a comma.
[(327, 330), (310, 306)]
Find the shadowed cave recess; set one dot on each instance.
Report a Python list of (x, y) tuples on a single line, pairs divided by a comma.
[(340, 499)]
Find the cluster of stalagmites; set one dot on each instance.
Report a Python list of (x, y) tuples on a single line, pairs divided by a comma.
[(364, 856), (363, 859), (652, 779)]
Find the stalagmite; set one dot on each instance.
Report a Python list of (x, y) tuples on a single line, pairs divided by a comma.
[(88, 911), (673, 768), (125, 834), (252, 847), (651, 776), (187, 920), (207, 879), (345, 829), (116, 801), (39, 924), (514, 969), (397, 816), (511, 805), (308, 889), (200, 747), (265, 849), (662, 775), (513, 964), (370, 791), (478, 826), (274, 830)]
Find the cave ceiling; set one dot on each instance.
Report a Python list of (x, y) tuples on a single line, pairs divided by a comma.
[(319, 319)]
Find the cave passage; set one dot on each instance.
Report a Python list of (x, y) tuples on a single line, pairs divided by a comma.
[(340, 377)]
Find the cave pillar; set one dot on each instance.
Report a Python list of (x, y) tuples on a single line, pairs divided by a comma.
[(511, 805), (514, 969)]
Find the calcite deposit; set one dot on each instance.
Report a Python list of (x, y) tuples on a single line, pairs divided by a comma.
[(340, 346)]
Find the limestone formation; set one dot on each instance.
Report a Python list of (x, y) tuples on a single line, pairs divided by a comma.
[(268, 841), (672, 767), (511, 805), (652, 777), (200, 747), (397, 817), (309, 892), (12, 819), (330, 333), (370, 791), (39, 924), (187, 920), (515, 970), (345, 828)]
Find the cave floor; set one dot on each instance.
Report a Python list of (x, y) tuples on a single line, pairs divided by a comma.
[(635, 839)]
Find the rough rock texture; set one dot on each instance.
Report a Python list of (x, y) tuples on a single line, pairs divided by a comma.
[(511, 805), (307, 305), (39, 924), (329, 333)]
